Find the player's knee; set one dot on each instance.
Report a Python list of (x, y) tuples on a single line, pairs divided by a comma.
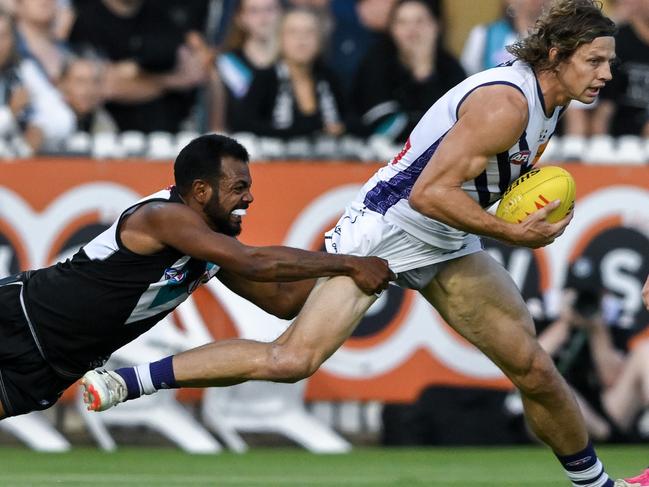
[(539, 376), (292, 365)]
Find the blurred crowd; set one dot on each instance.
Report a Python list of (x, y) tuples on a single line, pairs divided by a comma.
[(603, 357), (283, 69)]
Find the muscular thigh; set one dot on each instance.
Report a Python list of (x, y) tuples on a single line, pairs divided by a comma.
[(478, 298), (329, 316)]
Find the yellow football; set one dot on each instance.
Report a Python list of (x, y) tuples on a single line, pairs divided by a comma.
[(535, 189)]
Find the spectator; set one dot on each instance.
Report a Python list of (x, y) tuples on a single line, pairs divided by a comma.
[(622, 10), (251, 45), (63, 21), (156, 57), (612, 386), (321, 7), (15, 110), (64, 16), (358, 25), (81, 85), (43, 58), (220, 15), (414, 71), (624, 102), (298, 95), (485, 46), (34, 30)]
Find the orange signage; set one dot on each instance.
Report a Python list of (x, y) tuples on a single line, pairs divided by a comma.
[(49, 207)]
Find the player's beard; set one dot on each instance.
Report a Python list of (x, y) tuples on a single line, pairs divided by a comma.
[(220, 218)]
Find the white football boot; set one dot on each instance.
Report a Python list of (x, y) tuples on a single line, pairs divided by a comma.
[(103, 389)]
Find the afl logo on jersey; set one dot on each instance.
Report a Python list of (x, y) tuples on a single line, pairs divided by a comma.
[(174, 275), (519, 158)]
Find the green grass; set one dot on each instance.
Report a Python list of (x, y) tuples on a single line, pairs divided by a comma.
[(530, 466)]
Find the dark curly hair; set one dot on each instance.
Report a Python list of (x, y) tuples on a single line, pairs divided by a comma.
[(566, 25), (201, 159)]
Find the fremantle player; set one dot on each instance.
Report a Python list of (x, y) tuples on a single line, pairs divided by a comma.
[(59, 322), (422, 213)]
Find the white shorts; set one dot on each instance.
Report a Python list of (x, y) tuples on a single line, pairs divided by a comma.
[(363, 232)]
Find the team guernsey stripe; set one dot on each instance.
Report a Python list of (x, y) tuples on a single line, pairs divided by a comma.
[(482, 187), (539, 91), (388, 193), (504, 171)]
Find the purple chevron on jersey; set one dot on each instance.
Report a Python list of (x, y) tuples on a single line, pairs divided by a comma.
[(388, 193)]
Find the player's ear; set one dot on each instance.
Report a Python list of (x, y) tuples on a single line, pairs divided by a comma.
[(201, 191), (553, 55)]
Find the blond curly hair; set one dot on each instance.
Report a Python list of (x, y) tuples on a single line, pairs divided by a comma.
[(565, 25)]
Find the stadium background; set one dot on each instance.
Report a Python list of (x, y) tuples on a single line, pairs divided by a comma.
[(49, 206)]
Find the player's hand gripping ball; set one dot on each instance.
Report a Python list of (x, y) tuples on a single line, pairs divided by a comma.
[(535, 189)]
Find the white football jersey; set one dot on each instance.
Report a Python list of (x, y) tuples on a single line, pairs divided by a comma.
[(388, 190)]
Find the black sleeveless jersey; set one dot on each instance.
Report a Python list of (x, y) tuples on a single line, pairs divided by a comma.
[(85, 308)]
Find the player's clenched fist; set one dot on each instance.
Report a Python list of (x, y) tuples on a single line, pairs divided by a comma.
[(371, 274)]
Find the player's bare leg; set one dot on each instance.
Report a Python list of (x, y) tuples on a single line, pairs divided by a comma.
[(2, 412), (478, 298), (330, 314)]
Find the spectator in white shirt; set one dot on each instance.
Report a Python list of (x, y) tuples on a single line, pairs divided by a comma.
[(43, 58), (16, 113), (81, 86)]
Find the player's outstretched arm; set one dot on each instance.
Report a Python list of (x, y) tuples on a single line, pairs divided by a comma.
[(491, 120), (176, 225), (645, 293), (281, 299)]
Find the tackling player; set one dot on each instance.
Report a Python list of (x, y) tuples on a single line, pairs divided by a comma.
[(57, 323)]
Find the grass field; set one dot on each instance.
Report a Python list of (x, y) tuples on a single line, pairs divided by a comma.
[(140, 467)]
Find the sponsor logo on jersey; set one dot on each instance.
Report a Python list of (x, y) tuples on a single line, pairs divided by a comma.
[(176, 276), (520, 157)]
